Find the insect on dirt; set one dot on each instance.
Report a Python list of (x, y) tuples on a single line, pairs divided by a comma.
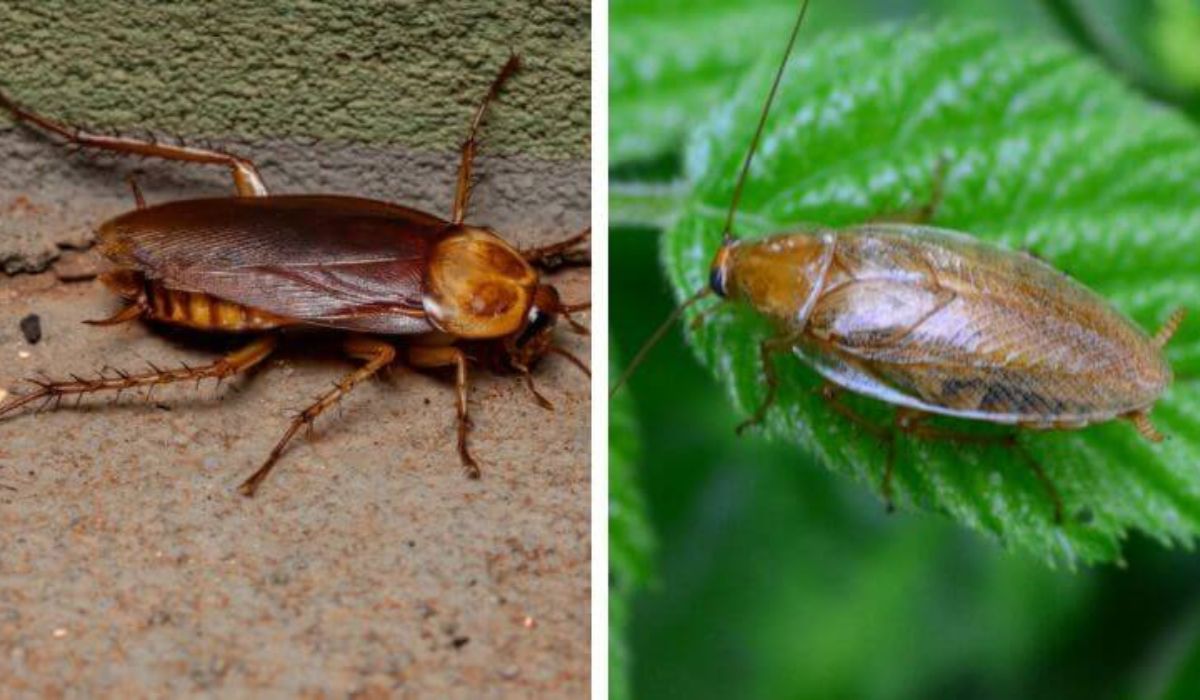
[(259, 264), (935, 322)]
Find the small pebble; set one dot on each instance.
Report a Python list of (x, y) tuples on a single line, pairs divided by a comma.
[(76, 268), (31, 328)]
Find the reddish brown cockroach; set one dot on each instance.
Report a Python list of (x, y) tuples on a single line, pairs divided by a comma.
[(257, 264), (937, 322)]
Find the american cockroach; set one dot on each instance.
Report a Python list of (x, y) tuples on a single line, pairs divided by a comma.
[(936, 322), (259, 264)]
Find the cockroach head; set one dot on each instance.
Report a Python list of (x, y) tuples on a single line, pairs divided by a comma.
[(718, 273), (536, 335)]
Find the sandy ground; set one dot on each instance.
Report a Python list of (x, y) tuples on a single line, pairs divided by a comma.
[(368, 564)]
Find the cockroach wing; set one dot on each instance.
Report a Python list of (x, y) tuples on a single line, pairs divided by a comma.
[(944, 323), (341, 262)]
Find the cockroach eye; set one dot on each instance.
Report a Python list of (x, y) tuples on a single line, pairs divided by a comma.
[(716, 280), (538, 321)]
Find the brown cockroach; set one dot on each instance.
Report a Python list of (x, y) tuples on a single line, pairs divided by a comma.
[(258, 264), (936, 322)]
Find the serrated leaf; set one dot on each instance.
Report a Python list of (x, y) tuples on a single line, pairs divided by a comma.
[(1046, 151), (630, 538)]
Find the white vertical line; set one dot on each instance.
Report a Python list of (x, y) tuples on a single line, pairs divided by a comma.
[(600, 378)]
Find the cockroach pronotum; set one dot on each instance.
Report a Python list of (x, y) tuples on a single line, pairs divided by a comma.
[(259, 264), (936, 322)]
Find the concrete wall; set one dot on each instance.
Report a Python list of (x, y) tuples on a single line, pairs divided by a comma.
[(357, 97)]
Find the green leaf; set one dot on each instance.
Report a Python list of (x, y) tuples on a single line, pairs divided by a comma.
[(672, 61), (1046, 151), (661, 76), (630, 539)]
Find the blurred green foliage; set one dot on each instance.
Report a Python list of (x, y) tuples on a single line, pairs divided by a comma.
[(630, 537), (776, 578)]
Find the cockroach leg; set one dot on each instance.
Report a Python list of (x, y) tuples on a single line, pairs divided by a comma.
[(52, 391), (570, 252), (245, 176), (565, 310), (1168, 329), (462, 193), (923, 213), (833, 396), (703, 315), (767, 349), (537, 395), (1141, 423), (377, 354), (912, 423), (428, 357), (570, 358), (137, 191)]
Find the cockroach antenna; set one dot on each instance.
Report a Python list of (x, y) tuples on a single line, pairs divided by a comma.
[(727, 232)]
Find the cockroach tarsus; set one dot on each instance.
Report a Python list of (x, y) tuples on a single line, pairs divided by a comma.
[(935, 322), (259, 264)]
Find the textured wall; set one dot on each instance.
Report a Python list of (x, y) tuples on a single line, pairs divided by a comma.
[(400, 73), (364, 97)]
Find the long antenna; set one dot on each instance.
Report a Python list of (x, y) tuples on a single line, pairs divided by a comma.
[(727, 233), (655, 337)]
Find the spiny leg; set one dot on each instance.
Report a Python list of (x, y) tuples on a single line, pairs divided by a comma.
[(923, 213), (446, 356), (245, 176), (462, 193), (227, 366), (569, 252), (767, 349), (377, 354)]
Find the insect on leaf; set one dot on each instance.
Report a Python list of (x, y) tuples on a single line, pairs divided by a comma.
[(1044, 151)]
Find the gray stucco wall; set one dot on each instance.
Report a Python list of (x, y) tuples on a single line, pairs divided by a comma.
[(364, 97)]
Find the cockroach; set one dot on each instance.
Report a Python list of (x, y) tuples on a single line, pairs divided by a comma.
[(259, 264), (935, 322)]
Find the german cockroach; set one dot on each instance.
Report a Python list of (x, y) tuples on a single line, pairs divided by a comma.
[(936, 322), (258, 264)]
